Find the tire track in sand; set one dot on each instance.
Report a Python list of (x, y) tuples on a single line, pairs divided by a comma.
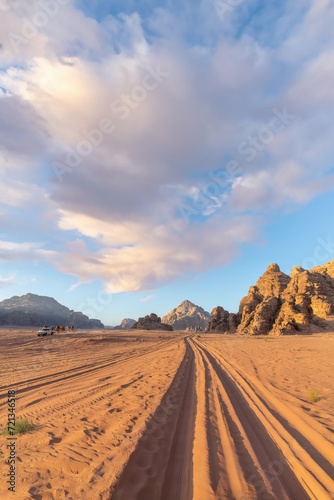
[(290, 470), (272, 477), (214, 438), (80, 371), (161, 465)]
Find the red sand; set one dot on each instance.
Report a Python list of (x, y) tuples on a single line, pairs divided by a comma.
[(154, 415)]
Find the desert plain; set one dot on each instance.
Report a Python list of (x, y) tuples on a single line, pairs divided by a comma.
[(143, 415)]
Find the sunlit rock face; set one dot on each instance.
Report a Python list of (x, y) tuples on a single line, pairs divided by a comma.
[(280, 304), (187, 316), (151, 322)]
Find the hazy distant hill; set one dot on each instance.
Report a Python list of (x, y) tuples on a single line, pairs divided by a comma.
[(126, 324), (36, 310), (187, 315)]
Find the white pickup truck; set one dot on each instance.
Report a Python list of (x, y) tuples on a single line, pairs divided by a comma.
[(45, 331)]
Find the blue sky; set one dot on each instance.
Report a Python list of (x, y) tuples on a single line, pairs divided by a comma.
[(155, 152)]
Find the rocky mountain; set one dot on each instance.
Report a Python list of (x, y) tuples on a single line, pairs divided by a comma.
[(280, 304), (126, 324), (187, 316), (259, 309), (34, 304), (307, 301), (36, 310), (223, 321), (151, 322)]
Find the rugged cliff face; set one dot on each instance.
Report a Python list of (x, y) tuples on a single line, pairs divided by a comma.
[(307, 302), (223, 321), (127, 323), (151, 322), (80, 320), (187, 316), (280, 304), (259, 309), (36, 310)]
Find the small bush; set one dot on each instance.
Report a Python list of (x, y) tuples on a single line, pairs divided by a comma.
[(314, 396), (21, 426), (197, 336)]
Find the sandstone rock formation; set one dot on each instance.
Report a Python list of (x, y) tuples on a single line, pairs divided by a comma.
[(223, 321), (36, 310), (151, 322), (187, 316), (259, 309), (280, 304), (308, 301), (193, 329)]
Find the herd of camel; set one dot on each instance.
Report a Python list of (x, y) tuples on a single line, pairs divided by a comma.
[(61, 328)]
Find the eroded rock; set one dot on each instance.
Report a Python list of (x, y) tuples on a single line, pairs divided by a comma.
[(151, 322)]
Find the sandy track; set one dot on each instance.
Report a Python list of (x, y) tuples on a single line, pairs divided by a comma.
[(251, 446), (278, 437), (219, 434), (161, 465)]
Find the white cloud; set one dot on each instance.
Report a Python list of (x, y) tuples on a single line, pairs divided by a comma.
[(12, 251), (10, 278), (4, 282), (161, 255), (146, 299), (117, 211), (17, 194)]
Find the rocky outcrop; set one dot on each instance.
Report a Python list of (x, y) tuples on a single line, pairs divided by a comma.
[(223, 321), (187, 316), (151, 322), (259, 309), (307, 302), (193, 329), (280, 304), (36, 310)]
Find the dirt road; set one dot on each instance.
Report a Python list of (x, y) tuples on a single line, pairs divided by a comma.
[(220, 434)]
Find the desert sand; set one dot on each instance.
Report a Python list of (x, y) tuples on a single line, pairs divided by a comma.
[(168, 415)]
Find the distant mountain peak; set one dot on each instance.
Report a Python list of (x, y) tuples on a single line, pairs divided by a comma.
[(187, 302), (187, 316)]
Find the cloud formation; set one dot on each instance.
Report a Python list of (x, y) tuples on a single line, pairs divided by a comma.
[(111, 126), (147, 298)]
